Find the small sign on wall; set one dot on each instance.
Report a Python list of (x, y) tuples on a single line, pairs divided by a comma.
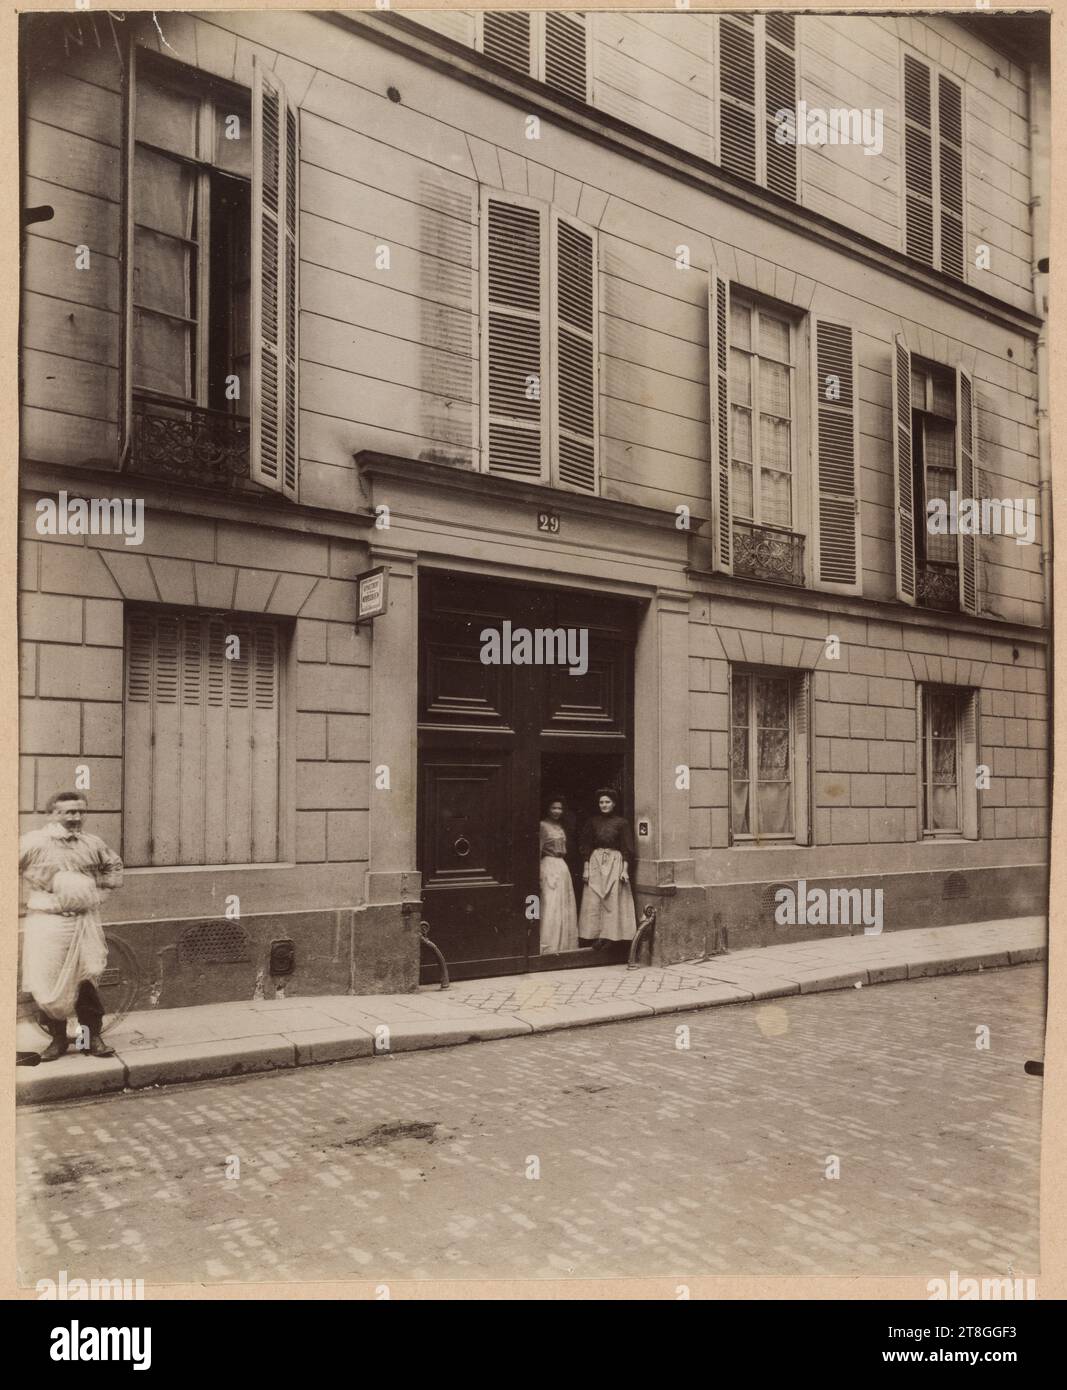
[(373, 591), (548, 522)]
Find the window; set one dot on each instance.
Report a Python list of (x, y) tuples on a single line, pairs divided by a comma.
[(761, 415), (757, 80), (764, 501), (201, 740), (768, 755), (934, 430), (948, 735), (212, 277), (933, 167), (539, 345), (550, 46)]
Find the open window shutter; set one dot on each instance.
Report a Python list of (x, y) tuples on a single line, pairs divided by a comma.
[(719, 379), (918, 162), (920, 761), (737, 95), (950, 169), (902, 471), (781, 95), (969, 765), (290, 475), (802, 756), (837, 530), (566, 66), (506, 37), (274, 290), (966, 480), (575, 402), (514, 339)]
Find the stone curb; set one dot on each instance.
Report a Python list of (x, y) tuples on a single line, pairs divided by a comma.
[(76, 1076)]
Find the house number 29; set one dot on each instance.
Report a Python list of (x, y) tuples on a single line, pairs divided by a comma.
[(548, 521)]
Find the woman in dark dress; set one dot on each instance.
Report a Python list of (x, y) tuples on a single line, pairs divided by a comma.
[(607, 850)]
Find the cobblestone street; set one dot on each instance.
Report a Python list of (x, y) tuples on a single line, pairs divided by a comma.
[(599, 1152)]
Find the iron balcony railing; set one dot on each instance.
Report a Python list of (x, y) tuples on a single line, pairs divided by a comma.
[(938, 585), (762, 552), (189, 444)]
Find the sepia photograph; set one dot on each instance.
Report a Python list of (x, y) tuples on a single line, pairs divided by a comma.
[(535, 650)]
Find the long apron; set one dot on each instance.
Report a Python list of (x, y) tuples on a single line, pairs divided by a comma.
[(559, 913), (607, 903), (59, 951)]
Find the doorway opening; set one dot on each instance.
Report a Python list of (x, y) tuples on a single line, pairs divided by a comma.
[(495, 738), (575, 779)]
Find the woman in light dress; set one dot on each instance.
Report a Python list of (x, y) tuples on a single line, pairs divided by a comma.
[(559, 915), (607, 849)]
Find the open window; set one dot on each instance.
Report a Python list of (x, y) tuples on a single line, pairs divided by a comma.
[(772, 370), (212, 271), (934, 439)]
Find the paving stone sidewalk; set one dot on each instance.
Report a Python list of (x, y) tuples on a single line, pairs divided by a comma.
[(156, 1047)]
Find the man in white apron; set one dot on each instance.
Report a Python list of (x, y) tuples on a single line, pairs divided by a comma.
[(65, 874)]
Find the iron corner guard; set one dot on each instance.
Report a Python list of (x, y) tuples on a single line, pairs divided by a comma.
[(646, 924), (424, 940)]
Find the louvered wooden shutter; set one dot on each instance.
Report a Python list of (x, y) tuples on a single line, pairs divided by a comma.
[(719, 381), (506, 37), (950, 171), (918, 161), (837, 528), (566, 64), (575, 402), (966, 485), (275, 177), (737, 95), (201, 740), (902, 472), (802, 757), (514, 339), (781, 95), (920, 761)]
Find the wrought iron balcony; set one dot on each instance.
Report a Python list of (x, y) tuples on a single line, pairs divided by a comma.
[(938, 585), (189, 444), (761, 552)]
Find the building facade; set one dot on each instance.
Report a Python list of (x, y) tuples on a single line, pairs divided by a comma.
[(559, 319)]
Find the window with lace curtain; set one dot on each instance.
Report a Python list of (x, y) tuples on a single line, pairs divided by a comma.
[(948, 734), (769, 755)]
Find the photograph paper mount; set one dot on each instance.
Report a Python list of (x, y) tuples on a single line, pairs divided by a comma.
[(532, 519)]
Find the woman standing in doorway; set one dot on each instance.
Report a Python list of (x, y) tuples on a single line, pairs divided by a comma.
[(559, 915), (607, 850)]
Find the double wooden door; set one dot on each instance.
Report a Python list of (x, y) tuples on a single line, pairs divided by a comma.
[(495, 740)]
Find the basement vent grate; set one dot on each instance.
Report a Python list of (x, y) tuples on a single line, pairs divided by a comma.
[(769, 896), (213, 943), (956, 886)]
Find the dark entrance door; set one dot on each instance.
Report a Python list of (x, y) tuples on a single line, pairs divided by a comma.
[(495, 741)]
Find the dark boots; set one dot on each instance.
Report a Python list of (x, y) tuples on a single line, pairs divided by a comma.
[(90, 1011), (57, 1029)]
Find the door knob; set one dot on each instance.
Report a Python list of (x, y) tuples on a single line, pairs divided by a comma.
[(462, 846)]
